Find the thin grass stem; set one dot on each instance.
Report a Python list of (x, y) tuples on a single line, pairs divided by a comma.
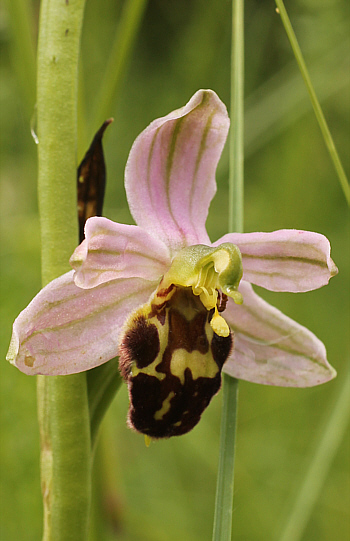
[(315, 103), (222, 530), (236, 163), (313, 481), (118, 61)]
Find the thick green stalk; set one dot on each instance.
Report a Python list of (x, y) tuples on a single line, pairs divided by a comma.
[(62, 400), (58, 50), (225, 481)]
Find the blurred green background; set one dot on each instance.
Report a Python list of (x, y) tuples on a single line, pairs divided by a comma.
[(167, 492)]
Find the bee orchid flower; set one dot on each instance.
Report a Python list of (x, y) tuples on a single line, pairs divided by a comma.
[(177, 308)]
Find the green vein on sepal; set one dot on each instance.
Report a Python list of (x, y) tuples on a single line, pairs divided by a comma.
[(90, 315)]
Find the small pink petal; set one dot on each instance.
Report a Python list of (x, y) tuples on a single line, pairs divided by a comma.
[(272, 349), (170, 174), (285, 260), (113, 251), (66, 329)]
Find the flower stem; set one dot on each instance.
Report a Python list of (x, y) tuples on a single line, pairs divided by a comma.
[(224, 488), (62, 400), (58, 47), (315, 103), (236, 167), (225, 482)]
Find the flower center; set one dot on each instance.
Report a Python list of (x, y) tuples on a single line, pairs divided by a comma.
[(173, 348), (208, 270)]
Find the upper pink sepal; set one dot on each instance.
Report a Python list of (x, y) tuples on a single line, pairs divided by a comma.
[(284, 260), (66, 329), (113, 251), (272, 349), (170, 173)]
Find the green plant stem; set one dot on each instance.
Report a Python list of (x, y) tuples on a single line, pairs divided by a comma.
[(62, 400), (330, 439), (58, 47), (225, 481), (315, 103)]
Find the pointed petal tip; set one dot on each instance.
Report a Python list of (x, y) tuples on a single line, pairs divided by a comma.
[(333, 269), (24, 363), (333, 373), (13, 349), (208, 96), (79, 255), (203, 97)]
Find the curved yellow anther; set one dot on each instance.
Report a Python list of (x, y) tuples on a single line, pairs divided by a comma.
[(208, 297)]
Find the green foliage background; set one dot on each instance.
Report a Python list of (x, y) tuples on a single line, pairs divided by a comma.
[(166, 492)]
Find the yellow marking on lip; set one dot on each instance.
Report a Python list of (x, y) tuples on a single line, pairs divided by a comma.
[(165, 407), (149, 370), (201, 365)]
